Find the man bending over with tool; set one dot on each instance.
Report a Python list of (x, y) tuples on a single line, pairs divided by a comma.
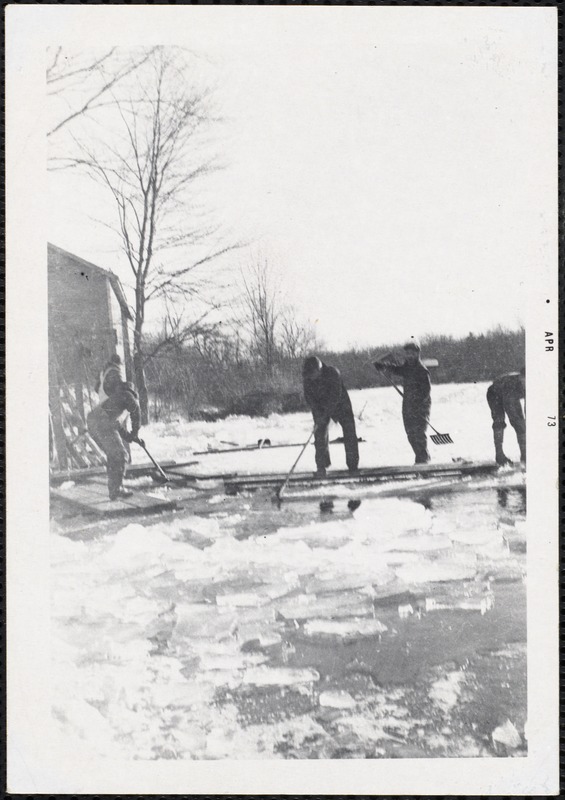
[(327, 397), (503, 397), (416, 403), (109, 380), (104, 427)]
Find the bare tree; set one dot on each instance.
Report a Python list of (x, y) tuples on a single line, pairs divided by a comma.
[(150, 162), (83, 83), (297, 338), (262, 311)]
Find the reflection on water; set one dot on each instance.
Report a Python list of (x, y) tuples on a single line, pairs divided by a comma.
[(512, 499)]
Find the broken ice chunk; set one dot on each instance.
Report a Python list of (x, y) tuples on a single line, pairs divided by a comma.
[(506, 736), (336, 699), (345, 629), (281, 676), (309, 607), (445, 691), (437, 571), (245, 599), (482, 536), (418, 543)]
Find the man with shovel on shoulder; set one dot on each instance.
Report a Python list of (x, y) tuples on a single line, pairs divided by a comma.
[(416, 403), (105, 428), (327, 397)]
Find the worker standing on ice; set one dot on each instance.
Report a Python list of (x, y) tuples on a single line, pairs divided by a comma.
[(503, 397), (327, 397), (104, 427), (417, 402)]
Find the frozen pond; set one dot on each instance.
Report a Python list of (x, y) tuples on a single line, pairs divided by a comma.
[(244, 630)]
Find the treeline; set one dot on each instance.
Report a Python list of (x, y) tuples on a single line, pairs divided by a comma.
[(213, 377), (463, 360)]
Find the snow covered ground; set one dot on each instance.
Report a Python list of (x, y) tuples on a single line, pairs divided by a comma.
[(458, 409), (247, 631)]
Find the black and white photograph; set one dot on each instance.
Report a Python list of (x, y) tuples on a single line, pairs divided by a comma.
[(279, 281)]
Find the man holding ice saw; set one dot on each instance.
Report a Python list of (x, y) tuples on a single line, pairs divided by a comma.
[(416, 403), (327, 397)]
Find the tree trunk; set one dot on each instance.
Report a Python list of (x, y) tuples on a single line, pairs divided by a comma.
[(138, 355), (141, 386)]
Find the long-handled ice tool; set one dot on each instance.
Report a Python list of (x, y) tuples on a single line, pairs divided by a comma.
[(277, 497), (163, 475), (436, 437)]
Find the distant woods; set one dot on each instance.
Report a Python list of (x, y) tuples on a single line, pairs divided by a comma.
[(463, 360), (219, 374)]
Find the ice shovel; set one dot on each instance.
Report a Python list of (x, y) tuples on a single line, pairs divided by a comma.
[(436, 437)]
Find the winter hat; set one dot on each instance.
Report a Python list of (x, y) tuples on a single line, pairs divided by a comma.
[(311, 366), (412, 344)]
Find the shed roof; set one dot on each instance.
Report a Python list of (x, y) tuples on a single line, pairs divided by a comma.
[(114, 280)]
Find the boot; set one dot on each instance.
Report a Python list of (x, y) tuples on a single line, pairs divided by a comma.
[(522, 445), (320, 472), (121, 493), (500, 457)]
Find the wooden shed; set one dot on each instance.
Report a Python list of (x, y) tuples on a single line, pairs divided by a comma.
[(88, 322)]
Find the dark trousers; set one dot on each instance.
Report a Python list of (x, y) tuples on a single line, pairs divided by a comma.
[(322, 441), (415, 425), (500, 408), (105, 433)]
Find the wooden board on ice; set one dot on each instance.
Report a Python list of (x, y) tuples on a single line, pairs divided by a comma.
[(134, 471), (92, 498), (244, 482)]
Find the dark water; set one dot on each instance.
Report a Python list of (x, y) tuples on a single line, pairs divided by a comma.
[(483, 653)]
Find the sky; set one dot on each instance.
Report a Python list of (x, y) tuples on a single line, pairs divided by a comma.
[(395, 165)]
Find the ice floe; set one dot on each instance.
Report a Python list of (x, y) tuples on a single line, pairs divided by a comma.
[(344, 629), (445, 692), (436, 572), (336, 699), (280, 676)]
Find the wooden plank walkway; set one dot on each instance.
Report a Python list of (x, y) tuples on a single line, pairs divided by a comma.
[(364, 476), (134, 470), (92, 498)]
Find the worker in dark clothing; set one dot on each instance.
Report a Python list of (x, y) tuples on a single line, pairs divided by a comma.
[(417, 401), (327, 397), (104, 427), (110, 377), (503, 397), (109, 380)]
